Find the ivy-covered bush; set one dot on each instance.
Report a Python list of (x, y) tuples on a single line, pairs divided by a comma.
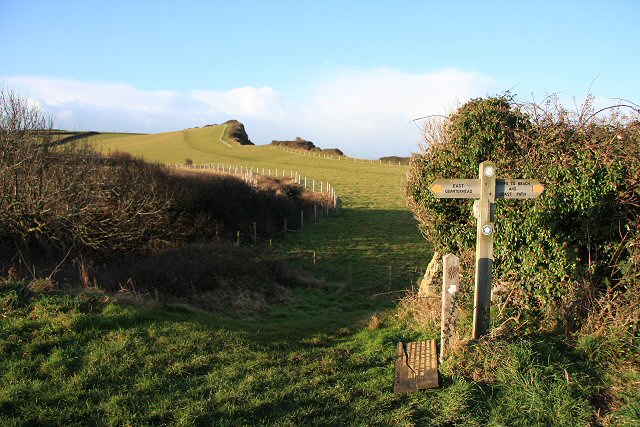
[(567, 242)]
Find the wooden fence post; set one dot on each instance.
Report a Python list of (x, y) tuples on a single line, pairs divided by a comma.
[(315, 264), (450, 285), (255, 233)]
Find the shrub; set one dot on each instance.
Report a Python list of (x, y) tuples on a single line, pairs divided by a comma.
[(569, 240)]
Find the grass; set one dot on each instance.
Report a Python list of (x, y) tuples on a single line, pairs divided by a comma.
[(90, 359), (326, 357)]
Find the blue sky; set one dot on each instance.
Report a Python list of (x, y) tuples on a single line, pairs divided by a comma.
[(347, 74)]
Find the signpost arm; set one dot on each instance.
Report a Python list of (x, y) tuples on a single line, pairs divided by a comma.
[(484, 249)]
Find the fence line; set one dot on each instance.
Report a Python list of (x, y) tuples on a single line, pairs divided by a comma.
[(309, 153), (271, 226), (261, 234), (248, 173)]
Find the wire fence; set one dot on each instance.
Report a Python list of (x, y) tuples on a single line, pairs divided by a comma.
[(249, 175), (267, 234), (309, 153), (324, 204)]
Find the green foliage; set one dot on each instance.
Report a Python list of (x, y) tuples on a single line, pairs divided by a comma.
[(549, 248)]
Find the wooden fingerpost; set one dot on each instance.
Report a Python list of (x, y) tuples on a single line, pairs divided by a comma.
[(484, 248), (450, 286), (485, 189)]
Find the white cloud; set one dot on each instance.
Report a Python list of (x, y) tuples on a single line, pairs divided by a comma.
[(371, 111), (366, 113)]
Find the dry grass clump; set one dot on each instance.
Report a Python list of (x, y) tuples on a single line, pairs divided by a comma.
[(374, 322), (426, 311)]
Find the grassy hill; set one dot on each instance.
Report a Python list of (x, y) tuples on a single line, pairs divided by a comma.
[(373, 230)]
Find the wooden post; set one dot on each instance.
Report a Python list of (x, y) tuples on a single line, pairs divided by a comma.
[(301, 218), (450, 286), (238, 238), (315, 264), (255, 233), (315, 213), (484, 249), (270, 244)]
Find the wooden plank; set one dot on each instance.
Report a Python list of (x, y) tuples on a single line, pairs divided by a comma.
[(416, 366)]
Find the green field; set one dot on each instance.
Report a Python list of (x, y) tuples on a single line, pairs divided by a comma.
[(372, 232), (326, 357)]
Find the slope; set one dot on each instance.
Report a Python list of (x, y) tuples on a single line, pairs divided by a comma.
[(373, 236)]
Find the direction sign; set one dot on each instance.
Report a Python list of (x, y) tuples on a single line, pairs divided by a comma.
[(470, 188), (456, 188), (518, 188), (486, 189)]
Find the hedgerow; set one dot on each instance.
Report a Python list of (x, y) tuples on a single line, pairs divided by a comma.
[(570, 244)]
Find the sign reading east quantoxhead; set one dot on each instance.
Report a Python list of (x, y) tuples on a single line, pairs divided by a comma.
[(470, 188)]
